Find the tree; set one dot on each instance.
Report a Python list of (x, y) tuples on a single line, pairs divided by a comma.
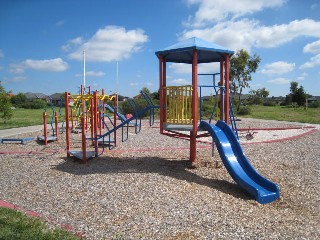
[(2, 90), (297, 94), (5, 105), (146, 90), (19, 99), (242, 65), (257, 96)]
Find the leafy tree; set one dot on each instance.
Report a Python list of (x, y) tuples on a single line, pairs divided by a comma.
[(257, 96), (242, 65), (19, 99), (155, 95), (146, 90), (5, 105), (2, 90), (298, 95)]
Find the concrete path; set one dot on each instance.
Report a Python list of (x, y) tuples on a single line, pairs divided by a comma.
[(14, 131)]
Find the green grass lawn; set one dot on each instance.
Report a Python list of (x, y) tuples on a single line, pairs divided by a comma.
[(27, 117), (283, 113), (30, 117), (16, 225)]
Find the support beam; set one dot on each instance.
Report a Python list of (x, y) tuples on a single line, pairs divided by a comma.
[(227, 89), (193, 133), (222, 75)]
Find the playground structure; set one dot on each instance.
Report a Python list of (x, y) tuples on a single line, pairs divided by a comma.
[(89, 114), (54, 123), (179, 111)]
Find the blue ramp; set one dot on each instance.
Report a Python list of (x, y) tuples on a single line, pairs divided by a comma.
[(237, 164)]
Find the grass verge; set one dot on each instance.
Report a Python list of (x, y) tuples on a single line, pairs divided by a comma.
[(16, 225), (283, 113), (27, 117)]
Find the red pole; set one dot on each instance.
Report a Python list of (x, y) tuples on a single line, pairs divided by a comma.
[(227, 90), (195, 110), (95, 120), (161, 92), (164, 81), (67, 123), (84, 145), (103, 102), (56, 124), (45, 128), (222, 92)]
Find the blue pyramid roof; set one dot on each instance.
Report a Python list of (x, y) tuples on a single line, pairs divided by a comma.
[(182, 52)]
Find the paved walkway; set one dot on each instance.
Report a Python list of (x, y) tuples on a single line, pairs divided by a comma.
[(14, 131)]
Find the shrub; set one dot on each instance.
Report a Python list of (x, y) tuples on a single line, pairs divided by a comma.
[(140, 104), (315, 104), (35, 104), (268, 103), (244, 110)]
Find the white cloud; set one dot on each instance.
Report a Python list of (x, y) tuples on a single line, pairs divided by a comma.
[(301, 78), (60, 23), (279, 67), (314, 61), (92, 74), (49, 65), (314, 6), (180, 81), (1, 54), (17, 79), (148, 84), (213, 11), (72, 43), (313, 47), (279, 81), (111, 43), (245, 33)]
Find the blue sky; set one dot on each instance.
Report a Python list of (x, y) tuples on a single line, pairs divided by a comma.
[(42, 42)]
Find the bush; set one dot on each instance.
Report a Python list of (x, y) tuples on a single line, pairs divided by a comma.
[(315, 104), (270, 104), (35, 104), (140, 104), (244, 110)]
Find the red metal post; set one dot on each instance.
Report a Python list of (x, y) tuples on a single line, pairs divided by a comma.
[(84, 144), (95, 120), (103, 102), (45, 128), (164, 82), (67, 123), (222, 92), (227, 90), (161, 92), (195, 110)]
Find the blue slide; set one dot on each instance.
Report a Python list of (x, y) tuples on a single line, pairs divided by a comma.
[(237, 164)]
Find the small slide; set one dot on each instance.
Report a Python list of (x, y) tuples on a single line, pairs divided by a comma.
[(237, 164)]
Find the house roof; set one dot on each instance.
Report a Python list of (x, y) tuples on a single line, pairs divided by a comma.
[(56, 96), (182, 52), (31, 95)]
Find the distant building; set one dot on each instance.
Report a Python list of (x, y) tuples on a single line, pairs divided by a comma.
[(277, 100), (56, 98), (313, 99), (30, 96)]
